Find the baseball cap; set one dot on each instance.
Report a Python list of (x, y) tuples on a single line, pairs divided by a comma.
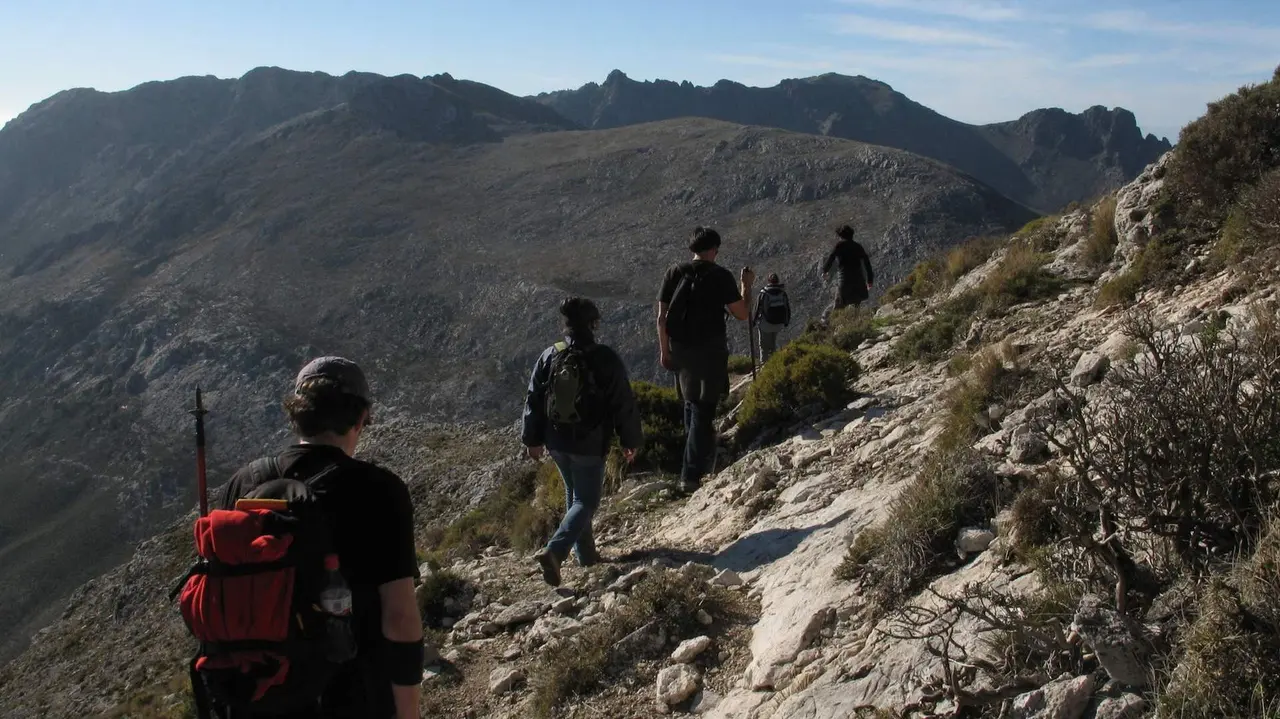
[(343, 372)]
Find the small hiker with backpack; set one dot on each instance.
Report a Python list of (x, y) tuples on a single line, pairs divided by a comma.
[(692, 342), (303, 594), (579, 397), (773, 312), (854, 269)]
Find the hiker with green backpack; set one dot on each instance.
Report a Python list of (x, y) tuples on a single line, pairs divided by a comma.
[(579, 397), (692, 342)]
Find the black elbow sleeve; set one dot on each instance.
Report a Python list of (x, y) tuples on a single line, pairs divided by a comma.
[(401, 662)]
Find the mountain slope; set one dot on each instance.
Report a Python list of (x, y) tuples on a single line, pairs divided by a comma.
[(1045, 160), (426, 227)]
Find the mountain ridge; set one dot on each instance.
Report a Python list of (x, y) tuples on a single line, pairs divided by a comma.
[(1100, 157)]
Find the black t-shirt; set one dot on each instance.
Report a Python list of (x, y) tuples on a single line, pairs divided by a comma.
[(372, 518), (718, 286)]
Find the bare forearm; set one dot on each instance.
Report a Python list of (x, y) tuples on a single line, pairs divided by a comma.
[(664, 342), (406, 699)]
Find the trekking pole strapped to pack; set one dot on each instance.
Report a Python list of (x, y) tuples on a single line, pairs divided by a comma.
[(199, 412)]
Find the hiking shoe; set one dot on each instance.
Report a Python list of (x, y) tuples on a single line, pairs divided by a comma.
[(550, 566), (686, 489)]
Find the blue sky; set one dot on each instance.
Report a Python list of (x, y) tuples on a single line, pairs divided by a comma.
[(974, 60)]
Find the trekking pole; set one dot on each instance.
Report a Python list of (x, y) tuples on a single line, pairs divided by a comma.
[(199, 412), (751, 339)]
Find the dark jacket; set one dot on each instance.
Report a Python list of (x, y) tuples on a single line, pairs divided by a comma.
[(762, 298), (620, 412), (854, 266)]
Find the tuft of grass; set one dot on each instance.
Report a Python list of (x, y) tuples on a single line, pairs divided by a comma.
[(847, 328), (932, 339), (535, 521), (1100, 245), (1152, 262), (799, 375), (934, 275), (436, 587), (1020, 277), (1040, 234), (989, 376), (894, 559), (1252, 228), (666, 603)]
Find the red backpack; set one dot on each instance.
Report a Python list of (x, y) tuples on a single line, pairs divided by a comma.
[(253, 599)]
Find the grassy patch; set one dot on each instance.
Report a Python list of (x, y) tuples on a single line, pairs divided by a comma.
[(893, 559), (1041, 234), (990, 377), (1020, 277), (934, 275), (797, 376), (535, 521), (847, 328), (1100, 245), (1152, 262), (436, 587), (1252, 229), (932, 339), (665, 603), (514, 515)]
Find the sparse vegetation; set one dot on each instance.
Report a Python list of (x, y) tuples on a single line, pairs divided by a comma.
[(665, 604), (991, 376), (1152, 261), (1041, 234), (933, 275), (1019, 277), (515, 515), (436, 587), (1252, 229), (847, 328), (931, 339), (1100, 245), (799, 376), (893, 558), (739, 364)]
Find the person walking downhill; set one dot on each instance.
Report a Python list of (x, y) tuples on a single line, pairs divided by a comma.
[(579, 397), (773, 312), (854, 269), (693, 343)]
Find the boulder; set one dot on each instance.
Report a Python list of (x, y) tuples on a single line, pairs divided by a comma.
[(1089, 369), (1117, 641), (690, 649), (1061, 699), (519, 613), (705, 701), (676, 684), (504, 679), (1125, 706), (727, 578), (1027, 446), (973, 540)]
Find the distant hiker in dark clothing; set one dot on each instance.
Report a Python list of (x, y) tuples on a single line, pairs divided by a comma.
[(854, 268), (773, 312), (692, 342), (579, 397), (371, 516)]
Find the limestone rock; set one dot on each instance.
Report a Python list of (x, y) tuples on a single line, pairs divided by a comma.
[(1027, 446), (676, 684), (973, 540), (1089, 369), (690, 649), (504, 679), (1116, 640), (727, 578), (704, 618), (1126, 706), (519, 613), (564, 606), (705, 701), (1062, 699)]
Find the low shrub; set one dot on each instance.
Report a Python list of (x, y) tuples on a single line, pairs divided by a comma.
[(931, 339), (1151, 263), (536, 520), (894, 558), (923, 280), (1100, 245), (991, 377), (798, 376), (1040, 234), (740, 365), (1252, 229), (436, 587), (934, 275), (1019, 277)]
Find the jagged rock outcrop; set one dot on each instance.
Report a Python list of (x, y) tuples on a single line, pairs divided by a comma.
[(1045, 159)]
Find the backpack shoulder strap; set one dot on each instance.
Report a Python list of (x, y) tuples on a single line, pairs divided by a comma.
[(561, 346)]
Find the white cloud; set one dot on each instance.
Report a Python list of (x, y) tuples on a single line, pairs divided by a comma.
[(978, 10), (864, 26), (1136, 22)]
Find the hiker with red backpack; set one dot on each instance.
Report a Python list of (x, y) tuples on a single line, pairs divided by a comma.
[(773, 312), (579, 397), (303, 596), (692, 342)]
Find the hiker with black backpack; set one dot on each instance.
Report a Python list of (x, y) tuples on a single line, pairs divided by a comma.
[(692, 342), (773, 312), (303, 598), (579, 397), (853, 266)]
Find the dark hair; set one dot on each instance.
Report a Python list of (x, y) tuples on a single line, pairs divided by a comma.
[(704, 239), (773, 279), (845, 232), (320, 406), (579, 313)]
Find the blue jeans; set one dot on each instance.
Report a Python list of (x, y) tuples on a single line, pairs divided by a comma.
[(583, 477)]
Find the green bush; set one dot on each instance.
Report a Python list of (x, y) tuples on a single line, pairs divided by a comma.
[(739, 365), (1252, 229), (923, 280), (989, 378), (1100, 245), (797, 376), (894, 558), (1229, 148)]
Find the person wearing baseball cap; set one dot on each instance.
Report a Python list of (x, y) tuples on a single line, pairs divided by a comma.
[(371, 516), (854, 268)]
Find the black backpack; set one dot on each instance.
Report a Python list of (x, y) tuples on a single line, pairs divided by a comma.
[(690, 313), (573, 401), (773, 302), (252, 599)]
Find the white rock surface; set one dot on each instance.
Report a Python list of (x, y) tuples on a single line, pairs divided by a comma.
[(676, 684), (690, 649)]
